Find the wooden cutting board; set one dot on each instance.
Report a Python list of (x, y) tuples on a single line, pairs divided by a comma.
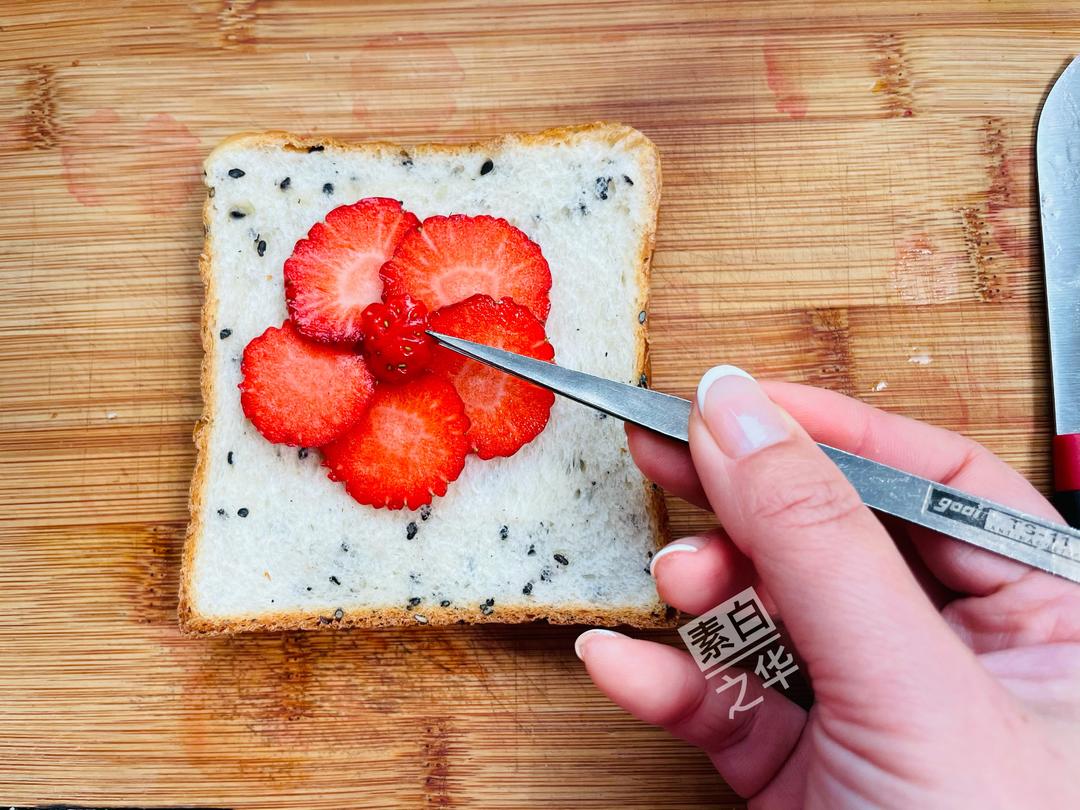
[(848, 202)]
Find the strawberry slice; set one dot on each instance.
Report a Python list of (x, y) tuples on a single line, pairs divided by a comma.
[(334, 273), (449, 259), (408, 445), (506, 413), (299, 392)]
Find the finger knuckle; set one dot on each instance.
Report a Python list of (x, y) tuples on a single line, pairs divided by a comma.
[(802, 500)]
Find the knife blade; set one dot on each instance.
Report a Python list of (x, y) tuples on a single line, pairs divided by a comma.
[(1057, 148), (966, 517)]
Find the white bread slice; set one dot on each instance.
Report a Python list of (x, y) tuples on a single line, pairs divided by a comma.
[(581, 523)]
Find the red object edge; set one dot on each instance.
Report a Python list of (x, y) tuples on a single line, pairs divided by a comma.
[(1067, 462)]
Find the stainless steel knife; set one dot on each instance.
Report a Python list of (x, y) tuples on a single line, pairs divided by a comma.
[(1057, 149), (967, 517)]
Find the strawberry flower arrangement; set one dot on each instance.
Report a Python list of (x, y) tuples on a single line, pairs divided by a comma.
[(353, 372)]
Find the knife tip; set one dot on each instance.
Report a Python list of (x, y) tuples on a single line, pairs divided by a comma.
[(445, 340)]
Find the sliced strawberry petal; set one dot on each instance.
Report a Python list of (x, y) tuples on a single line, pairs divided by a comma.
[(334, 272), (505, 412), (449, 259), (407, 446), (299, 392)]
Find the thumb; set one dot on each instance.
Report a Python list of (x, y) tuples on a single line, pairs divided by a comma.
[(848, 599)]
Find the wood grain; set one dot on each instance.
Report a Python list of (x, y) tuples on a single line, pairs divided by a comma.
[(848, 201)]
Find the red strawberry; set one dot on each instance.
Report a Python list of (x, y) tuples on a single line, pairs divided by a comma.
[(334, 273), (506, 413), (395, 343), (299, 392), (407, 446), (451, 258)]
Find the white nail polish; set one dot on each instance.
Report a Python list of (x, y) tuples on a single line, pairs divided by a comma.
[(669, 549), (579, 644), (714, 374)]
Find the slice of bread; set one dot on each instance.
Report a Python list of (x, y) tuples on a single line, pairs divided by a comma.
[(563, 530)]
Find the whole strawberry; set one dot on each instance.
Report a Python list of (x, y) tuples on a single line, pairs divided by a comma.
[(395, 341)]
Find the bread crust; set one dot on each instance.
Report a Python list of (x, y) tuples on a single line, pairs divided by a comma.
[(193, 623)]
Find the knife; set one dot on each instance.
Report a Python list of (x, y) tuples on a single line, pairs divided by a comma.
[(958, 514), (1057, 149)]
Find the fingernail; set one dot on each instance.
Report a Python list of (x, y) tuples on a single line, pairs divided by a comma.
[(689, 544), (740, 417), (583, 639), (711, 376)]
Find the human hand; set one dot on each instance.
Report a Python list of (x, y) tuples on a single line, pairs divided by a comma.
[(944, 675)]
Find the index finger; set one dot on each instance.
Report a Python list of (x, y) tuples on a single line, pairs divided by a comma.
[(916, 447), (931, 452)]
